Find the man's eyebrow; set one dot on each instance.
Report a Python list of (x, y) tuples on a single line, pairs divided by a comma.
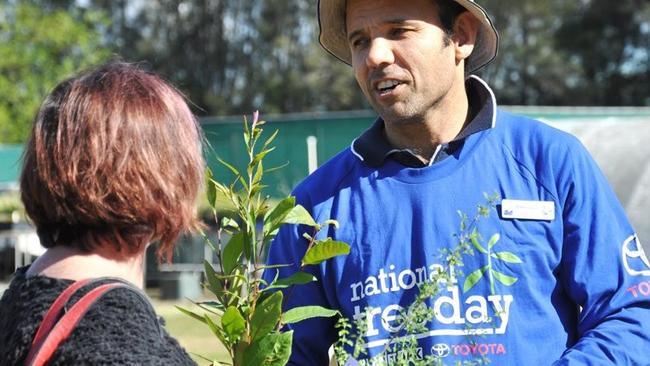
[(394, 21), (397, 21), (354, 34)]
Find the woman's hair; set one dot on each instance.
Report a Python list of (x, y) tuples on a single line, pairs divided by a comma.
[(113, 161)]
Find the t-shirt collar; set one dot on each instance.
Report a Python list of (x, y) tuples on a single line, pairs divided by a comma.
[(373, 148)]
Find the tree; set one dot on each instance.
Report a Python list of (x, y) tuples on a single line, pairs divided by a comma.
[(529, 70), (235, 56), (39, 47), (232, 57), (591, 52), (611, 42)]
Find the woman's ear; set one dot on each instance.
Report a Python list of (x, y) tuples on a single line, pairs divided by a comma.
[(465, 33)]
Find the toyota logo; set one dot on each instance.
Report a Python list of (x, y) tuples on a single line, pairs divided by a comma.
[(440, 349), (634, 259)]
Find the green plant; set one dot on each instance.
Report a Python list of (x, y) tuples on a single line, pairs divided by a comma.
[(11, 208), (246, 315), (492, 273)]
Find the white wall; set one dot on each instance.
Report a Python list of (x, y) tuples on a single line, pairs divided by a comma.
[(621, 147)]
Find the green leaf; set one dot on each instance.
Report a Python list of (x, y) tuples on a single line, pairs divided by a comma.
[(230, 167), (507, 257), (272, 350), (298, 278), (270, 139), (274, 217), (248, 241), (206, 239), (233, 324), (264, 295), (246, 129), (324, 250), (477, 245), (235, 287), (473, 278), (259, 173), (212, 362), (222, 188), (216, 330), (307, 312), (257, 131), (298, 215), (463, 220), (266, 316), (231, 252), (228, 223), (272, 266), (211, 188), (493, 240), (213, 307), (331, 222), (504, 279), (260, 156), (214, 283), (191, 314), (276, 168), (256, 189), (235, 172)]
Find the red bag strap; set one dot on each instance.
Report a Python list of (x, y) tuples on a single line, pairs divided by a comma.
[(51, 332), (52, 315)]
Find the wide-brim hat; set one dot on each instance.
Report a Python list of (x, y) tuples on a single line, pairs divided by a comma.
[(333, 37)]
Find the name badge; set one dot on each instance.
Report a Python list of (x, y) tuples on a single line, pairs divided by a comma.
[(528, 210)]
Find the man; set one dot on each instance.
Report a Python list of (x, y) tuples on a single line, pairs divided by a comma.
[(560, 280)]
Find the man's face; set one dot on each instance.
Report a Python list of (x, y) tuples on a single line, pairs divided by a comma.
[(400, 56)]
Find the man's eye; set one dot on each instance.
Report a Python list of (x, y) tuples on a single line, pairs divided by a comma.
[(359, 43), (396, 32)]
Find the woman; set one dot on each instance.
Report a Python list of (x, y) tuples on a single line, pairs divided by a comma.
[(113, 164)]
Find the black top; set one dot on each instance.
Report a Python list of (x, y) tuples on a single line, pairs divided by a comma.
[(373, 146), (121, 328)]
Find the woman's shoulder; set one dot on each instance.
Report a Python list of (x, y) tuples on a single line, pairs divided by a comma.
[(22, 307), (121, 327)]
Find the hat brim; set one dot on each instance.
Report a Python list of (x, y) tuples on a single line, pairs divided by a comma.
[(333, 37)]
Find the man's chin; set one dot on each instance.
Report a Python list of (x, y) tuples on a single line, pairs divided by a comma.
[(396, 115)]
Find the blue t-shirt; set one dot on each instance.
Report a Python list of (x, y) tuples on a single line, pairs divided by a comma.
[(566, 282)]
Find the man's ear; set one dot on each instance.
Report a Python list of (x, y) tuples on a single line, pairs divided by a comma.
[(465, 32)]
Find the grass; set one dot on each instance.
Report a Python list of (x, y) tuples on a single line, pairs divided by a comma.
[(193, 335)]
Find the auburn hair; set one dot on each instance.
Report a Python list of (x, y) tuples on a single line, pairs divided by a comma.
[(113, 161)]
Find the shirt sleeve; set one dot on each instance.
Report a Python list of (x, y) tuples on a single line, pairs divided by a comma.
[(603, 270), (313, 337)]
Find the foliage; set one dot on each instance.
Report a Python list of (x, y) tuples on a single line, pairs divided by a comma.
[(528, 69), (246, 315), (555, 52), (215, 50), (38, 48), (615, 60), (414, 319), (551, 53), (591, 52), (11, 207)]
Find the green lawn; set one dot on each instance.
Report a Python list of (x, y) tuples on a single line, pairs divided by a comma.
[(193, 335)]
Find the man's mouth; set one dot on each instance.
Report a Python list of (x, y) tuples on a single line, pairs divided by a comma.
[(386, 86)]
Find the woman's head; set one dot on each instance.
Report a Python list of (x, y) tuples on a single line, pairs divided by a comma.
[(113, 162)]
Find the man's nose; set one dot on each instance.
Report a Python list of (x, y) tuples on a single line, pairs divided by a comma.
[(380, 53)]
